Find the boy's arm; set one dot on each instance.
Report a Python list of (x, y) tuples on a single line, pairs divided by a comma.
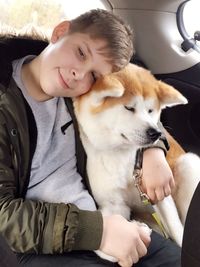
[(157, 179), (45, 228), (36, 226)]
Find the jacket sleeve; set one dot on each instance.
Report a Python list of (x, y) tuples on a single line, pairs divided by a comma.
[(40, 227)]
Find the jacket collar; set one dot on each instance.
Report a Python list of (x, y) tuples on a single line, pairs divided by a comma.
[(13, 47)]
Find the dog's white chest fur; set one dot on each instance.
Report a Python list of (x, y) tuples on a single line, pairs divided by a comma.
[(111, 178)]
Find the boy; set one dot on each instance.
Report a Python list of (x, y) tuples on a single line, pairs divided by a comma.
[(37, 143)]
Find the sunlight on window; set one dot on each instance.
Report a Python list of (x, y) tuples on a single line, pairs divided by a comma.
[(72, 8), (45, 14), (191, 16)]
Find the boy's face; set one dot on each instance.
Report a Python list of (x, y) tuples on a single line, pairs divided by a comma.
[(71, 63)]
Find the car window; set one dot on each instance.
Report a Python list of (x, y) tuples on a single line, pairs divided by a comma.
[(189, 24), (191, 17), (20, 14)]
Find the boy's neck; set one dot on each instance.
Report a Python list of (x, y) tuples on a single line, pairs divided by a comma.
[(30, 77)]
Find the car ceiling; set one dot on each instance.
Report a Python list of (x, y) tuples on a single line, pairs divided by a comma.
[(160, 5)]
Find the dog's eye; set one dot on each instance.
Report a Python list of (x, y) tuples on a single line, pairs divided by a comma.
[(130, 108), (150, 110)]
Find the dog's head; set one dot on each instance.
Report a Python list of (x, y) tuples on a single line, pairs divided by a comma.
[(123, 108)]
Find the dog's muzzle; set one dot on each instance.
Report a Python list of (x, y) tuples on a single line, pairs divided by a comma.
[(153, 134)]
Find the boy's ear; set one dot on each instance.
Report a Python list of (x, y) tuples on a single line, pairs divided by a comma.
[(60, 30)]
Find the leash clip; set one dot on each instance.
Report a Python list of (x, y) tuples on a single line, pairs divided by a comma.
[(137, 176)]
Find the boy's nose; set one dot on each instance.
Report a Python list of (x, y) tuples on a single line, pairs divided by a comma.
[(78, 75)]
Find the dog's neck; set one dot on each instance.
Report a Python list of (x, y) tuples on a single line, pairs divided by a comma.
[(112, 163)]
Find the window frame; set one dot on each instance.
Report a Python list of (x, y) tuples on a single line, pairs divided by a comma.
[(188, 41)]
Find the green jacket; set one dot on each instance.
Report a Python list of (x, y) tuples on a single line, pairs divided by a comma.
[(33, 226)]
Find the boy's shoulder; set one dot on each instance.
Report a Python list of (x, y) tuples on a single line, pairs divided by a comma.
[(15, 45)]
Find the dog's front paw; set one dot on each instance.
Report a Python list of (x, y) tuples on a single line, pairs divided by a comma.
[(105, 256), (144, 226)]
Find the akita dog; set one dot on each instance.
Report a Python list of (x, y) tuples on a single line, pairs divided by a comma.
[(116, 118)]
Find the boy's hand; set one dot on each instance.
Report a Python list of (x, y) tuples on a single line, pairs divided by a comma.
[(157, 178), (123, 240)]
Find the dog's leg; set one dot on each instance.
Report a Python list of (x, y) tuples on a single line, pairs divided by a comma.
[(187, 171), (167, 211), (120, 208)]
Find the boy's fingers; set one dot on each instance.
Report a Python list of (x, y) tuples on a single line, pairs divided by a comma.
[(152, 195), (146, 238), (142, 249), (167, 190), (128, 262), (160, 194), (172, 183)]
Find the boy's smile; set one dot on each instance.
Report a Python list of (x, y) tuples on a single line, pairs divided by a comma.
[(62, 80)]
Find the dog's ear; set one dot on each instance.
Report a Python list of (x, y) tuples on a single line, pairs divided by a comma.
[(169, 96), (105, 88)]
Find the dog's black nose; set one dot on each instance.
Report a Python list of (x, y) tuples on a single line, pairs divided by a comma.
[(153, 134)]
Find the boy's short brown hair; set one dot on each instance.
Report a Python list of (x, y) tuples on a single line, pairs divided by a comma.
[(102, 24)]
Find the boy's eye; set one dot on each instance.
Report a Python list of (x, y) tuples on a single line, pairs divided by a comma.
[(81, 53), (93, 76)]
